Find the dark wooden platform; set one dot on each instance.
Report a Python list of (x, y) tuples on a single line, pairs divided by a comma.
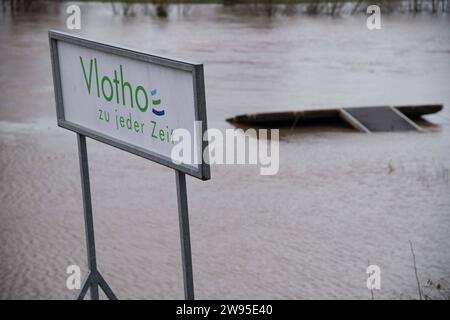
[(366, 119)]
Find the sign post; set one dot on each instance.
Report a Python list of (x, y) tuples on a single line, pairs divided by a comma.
[(132, 101), (186, 258), (93, 278)]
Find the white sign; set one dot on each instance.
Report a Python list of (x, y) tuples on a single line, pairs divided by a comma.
[(129, 99)]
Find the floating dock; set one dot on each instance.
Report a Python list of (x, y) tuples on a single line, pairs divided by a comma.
[(364, 119)]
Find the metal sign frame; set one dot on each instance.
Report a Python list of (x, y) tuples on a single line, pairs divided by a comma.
[(203, 170), (93, 280)]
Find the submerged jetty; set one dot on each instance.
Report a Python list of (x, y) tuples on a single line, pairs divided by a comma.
[(364, 119)]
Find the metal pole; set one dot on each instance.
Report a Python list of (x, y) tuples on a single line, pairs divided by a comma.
[(186, 257), (88, 220)]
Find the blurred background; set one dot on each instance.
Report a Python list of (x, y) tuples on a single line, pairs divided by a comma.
[(341, 200)]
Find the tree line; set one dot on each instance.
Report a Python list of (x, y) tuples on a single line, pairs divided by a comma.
[(160, 8)]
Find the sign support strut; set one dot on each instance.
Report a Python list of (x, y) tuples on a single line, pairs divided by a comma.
[(93, 278), (186, 257)]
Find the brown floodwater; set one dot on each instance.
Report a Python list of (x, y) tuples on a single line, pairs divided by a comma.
[(340, 200)]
